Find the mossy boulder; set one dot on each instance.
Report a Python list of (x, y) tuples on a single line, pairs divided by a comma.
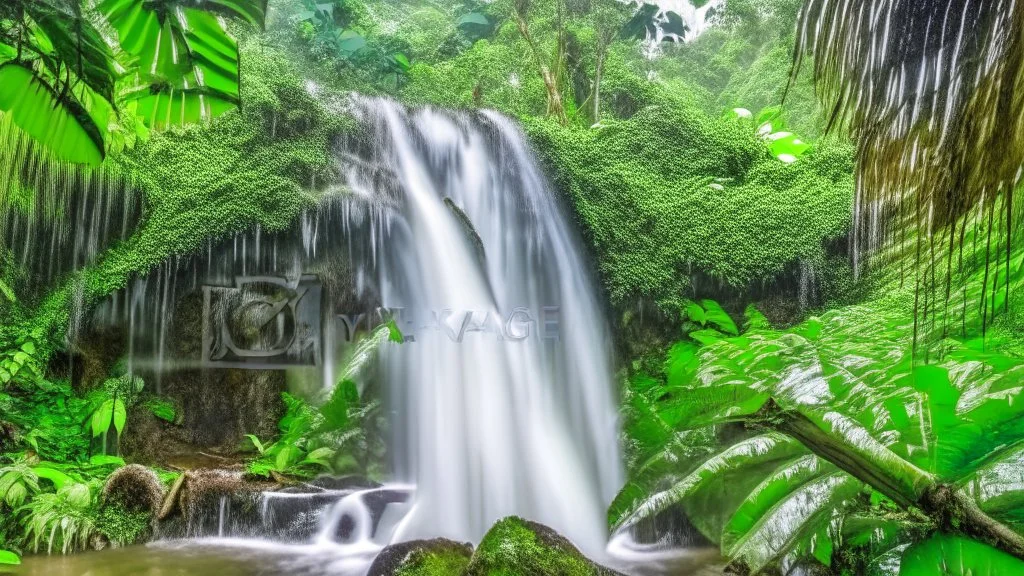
[(134, 487), (517, 547), (436, 557)]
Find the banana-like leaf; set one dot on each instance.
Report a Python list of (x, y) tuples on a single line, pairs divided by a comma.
[(947, 555), (188, 64), (998, 485), (58, 122), (767, 447), (801, 518), (164, 106), (790, 476), (78, 43)]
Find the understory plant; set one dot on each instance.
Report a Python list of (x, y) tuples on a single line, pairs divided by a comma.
[(832, 443)]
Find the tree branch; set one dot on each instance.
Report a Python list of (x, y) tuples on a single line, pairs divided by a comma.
[(946, 505)]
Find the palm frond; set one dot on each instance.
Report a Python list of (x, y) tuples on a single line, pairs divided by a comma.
[(933, 94)]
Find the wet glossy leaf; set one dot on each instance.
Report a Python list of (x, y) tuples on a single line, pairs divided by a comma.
[(61, 124), (947, 555)]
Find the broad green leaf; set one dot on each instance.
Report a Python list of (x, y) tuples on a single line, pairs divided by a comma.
[(60, 123), (120, 416), (948, 555), (78, 43), (9, 558), (707, 337), (76, 494), (695, 313), (7, 52), (164, 106), (800, 518), (102, 418), (284, 457), (103, 460), (755, 320), (681, 363), (788, 477), (754, 450), (350, 42), (716, 316), (253, 12), (16, 495), (58, 478)]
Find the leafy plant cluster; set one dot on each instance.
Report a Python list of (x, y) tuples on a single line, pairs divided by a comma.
[(69, 89), (831, 444), (706, 199)]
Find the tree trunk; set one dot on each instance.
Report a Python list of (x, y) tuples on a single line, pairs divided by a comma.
[(550, 81), (598, 72)]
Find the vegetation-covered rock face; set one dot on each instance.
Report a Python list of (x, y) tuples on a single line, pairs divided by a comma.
[(517, 546), (437, 557), (806, 394)]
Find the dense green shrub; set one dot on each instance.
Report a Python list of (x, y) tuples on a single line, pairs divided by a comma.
[(672, 192)]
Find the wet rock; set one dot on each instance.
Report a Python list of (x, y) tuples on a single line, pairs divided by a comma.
[(135, 488), (517, 546), (325, 482), (437, 557)]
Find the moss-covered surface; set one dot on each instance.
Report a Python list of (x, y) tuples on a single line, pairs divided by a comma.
[(517, 547), (436, 557), (672, 193), (124, 527), (259, 165)]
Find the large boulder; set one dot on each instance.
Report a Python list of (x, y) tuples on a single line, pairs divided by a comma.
[(437, 557), (524, 548)]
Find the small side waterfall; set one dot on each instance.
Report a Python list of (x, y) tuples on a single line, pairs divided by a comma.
[(502, 402)]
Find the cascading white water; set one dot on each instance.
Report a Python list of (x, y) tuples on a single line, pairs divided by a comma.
[(496, 424)]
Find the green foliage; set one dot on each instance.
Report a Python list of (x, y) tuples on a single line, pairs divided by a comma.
[(63, 83), (943, 555), (18, 482), (9, 558), (704, 196), (123, 527), (163, 409), (852, 374), (61, 521)]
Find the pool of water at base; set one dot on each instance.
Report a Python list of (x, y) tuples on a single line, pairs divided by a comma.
[(227, 557)]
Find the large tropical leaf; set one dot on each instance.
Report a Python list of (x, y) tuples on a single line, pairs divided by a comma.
[(931, 91), (59, 122), (946, 555), (77, 42), (796, 523), (188, 64), (756, 450)]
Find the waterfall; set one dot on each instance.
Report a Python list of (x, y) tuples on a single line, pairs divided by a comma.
[(500, 400), (517, 416)]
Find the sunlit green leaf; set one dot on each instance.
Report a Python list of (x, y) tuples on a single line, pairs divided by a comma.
[(59, 123)]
